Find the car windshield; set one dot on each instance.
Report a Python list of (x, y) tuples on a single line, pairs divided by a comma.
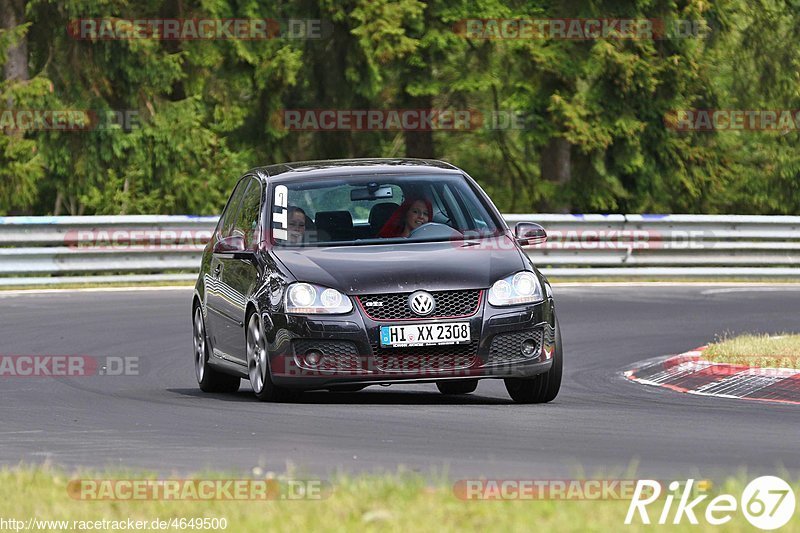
[(378, 209)]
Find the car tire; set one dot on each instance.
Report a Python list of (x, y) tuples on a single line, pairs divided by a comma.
[(208, 378), (544, 387), (462, 386), (258, 365)]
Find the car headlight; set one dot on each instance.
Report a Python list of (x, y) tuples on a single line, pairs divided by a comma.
[(305, 298), (520, 288)]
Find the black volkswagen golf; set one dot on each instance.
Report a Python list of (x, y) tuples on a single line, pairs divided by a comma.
[(342, 274)]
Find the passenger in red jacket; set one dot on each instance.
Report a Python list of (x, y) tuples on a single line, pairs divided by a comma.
[(411, 214)]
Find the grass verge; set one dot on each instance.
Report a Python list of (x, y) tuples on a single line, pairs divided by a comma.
[(399, 502), (760, 350)]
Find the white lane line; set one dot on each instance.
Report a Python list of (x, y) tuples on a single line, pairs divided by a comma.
[(95, 289), (773, 288)]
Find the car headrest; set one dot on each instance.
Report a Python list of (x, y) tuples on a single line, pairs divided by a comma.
[(338, 225), (380, 213)]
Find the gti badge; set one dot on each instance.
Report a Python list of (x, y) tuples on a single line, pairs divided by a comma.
[(422, 303)]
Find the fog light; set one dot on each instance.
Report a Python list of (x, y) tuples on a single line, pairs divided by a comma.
[(313, 357), (528, 348)]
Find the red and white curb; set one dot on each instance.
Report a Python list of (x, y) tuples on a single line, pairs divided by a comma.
[(690, 373)]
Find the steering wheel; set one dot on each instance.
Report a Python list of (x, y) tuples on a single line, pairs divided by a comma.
[(434, 230)]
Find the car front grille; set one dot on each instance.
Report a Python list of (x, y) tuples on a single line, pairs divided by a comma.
[(394, 306), (505, 347), (426, 358), (336, 355)]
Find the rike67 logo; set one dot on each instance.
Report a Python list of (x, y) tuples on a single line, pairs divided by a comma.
[(767, 502)]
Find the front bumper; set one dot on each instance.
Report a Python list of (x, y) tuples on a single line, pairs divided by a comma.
[(352, 353)]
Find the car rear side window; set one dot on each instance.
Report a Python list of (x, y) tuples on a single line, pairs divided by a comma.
[(247, 220), (226, 220)]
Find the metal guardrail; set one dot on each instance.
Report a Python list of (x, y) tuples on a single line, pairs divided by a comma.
[(56, 250)]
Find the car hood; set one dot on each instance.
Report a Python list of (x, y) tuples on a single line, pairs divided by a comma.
[(405, 267)]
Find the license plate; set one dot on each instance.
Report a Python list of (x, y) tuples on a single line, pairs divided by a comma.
[(425, 334)]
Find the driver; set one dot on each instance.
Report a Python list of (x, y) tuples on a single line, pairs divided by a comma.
[(412, 213)]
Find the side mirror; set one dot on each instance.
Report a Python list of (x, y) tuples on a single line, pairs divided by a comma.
[(528, 233), (232, 246)]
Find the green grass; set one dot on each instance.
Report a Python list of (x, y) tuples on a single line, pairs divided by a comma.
[(761, 350), (399, 502)]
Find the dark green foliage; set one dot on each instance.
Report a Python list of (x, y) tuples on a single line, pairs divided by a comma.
[(591, 133)]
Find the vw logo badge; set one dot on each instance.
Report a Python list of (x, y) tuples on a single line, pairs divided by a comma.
[(422, 303)]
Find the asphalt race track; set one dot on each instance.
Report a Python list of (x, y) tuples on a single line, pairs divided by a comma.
[(600, 424)]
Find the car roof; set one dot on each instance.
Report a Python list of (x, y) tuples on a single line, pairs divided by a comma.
[(337, 167)]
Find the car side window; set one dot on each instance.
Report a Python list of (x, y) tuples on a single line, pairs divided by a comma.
[(247, 220), (228, 216), (469, 214)]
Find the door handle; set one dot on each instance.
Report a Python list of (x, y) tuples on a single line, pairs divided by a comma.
[(217, 270)]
